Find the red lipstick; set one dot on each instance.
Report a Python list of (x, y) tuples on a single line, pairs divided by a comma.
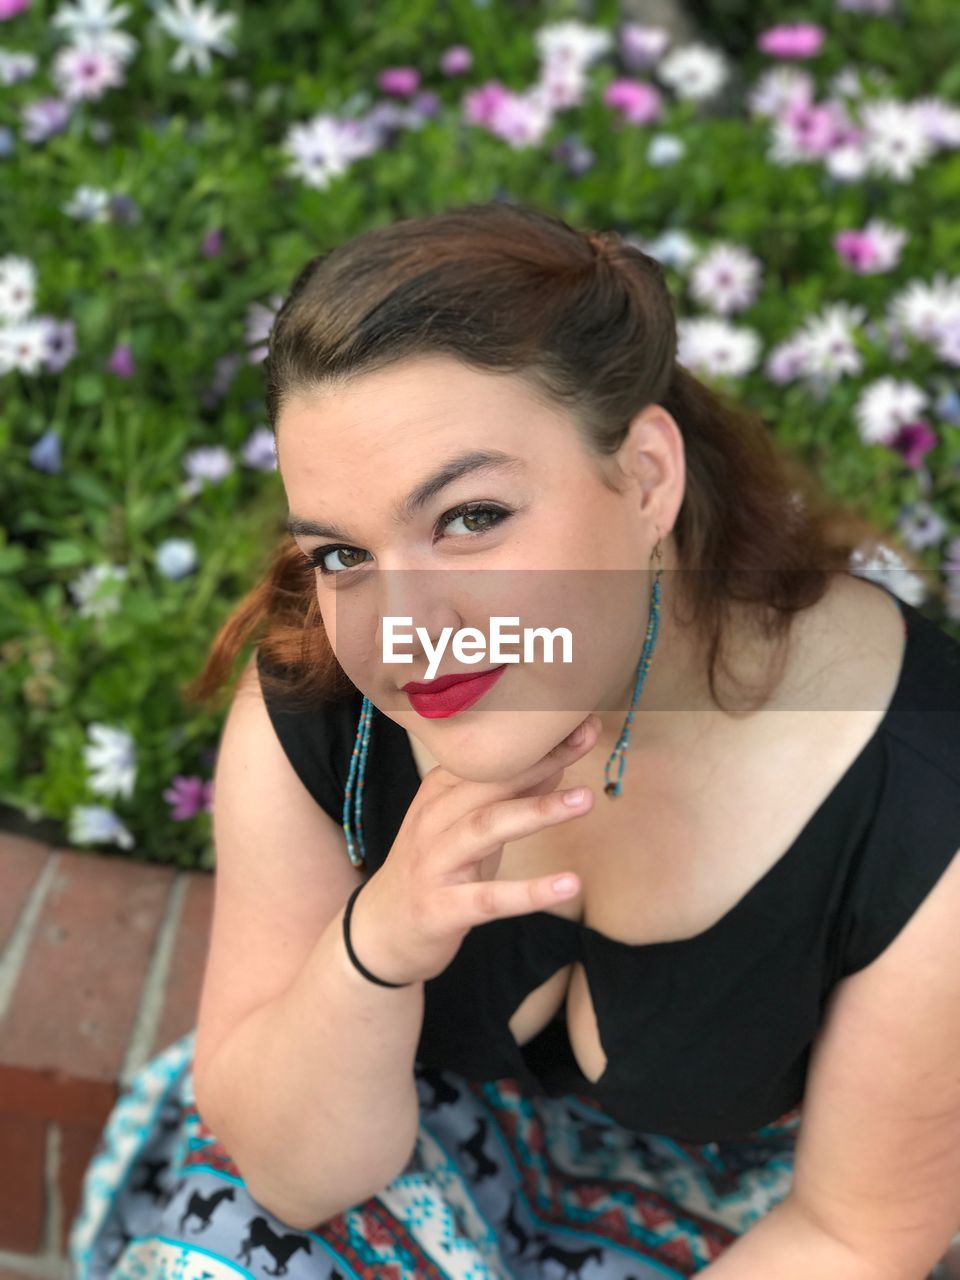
[(447, 695)]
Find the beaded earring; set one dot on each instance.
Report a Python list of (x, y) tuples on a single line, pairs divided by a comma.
[(356, 850)]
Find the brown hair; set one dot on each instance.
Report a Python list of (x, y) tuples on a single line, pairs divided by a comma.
[(587, 320)]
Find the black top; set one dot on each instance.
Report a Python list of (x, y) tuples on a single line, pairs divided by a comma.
[(706, 1037)]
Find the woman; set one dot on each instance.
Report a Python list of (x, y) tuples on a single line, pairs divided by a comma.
[(460, 1071)]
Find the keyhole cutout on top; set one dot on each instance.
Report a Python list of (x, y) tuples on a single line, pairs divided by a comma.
[(539, 1006)]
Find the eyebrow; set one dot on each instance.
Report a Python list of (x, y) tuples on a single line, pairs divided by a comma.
[(463, 464)]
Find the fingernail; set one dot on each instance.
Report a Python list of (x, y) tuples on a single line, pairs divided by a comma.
[(573, 797), (577, 736)]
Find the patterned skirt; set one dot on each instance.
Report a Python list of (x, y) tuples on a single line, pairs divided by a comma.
[(500, 1185)]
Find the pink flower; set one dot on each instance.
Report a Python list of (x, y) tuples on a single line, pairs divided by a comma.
[(873, 249), (456, 60), (637, 101), (481, 105), (121, 361), (913, 441), (792, 40), (812, 128), (188, 796), (400, 81), (212, 243), (10, 8)]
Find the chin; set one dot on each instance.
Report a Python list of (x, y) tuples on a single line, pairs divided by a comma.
[(498, 746)]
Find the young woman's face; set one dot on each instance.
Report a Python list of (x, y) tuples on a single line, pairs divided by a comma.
[(543, 542)]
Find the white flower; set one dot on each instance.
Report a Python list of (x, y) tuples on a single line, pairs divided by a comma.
[(896, 139), (884, 406), (694, 71), (664, 149), (85, 74), (16, 65), (572, 42), (727, 278), (208, 462), (780, 87), (23, 346), (198, 29), (674, 248), (847, 162), (924, 309), (94, 824), (112, 759), (940, 120), (708, 344), (92, 24), (97, 590), (176, 557), (827, 343), (323, 148), (18, 287), (787, 361), (89, 204), (887, 567)]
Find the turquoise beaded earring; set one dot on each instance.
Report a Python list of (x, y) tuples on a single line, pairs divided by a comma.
[(356, 850)]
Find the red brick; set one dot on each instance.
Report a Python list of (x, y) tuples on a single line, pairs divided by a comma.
[(80, 987), (78, 1144), (182, 996), (21, 864), (22, 1159)]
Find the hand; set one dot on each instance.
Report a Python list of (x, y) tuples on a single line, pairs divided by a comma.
[(437, 881)]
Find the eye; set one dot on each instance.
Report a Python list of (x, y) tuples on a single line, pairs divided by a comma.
[(466, 511)]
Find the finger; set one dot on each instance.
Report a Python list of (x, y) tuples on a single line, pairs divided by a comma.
[(487, 900), (486, 829)]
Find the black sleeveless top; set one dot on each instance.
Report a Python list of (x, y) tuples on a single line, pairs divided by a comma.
[(707, 1037)]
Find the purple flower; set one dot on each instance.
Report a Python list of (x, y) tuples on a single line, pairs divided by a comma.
[(259, 451), (212, 243), (45, 454), (573, 153), (456, 60), (637, 101), (124, 210), (400, 81), (60, 341), (10, 8), (44, 118), (913, 441), (948, 408), (121, 361), (792, 40), (188, 796)]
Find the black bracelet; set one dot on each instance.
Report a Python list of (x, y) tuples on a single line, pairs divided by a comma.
[(350, 951)]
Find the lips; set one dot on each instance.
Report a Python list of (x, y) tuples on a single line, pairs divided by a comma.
[(450, 695), (443, 682)]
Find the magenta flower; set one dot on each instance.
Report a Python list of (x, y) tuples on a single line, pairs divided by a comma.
[(10, 8), (456, 60), (792, 40), (188, 796), (212, 243), (400, 81), (480, 105), (913, 441), (636, 100), (121, 361)]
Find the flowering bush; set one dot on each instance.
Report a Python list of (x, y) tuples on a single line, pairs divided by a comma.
[(168, 167)]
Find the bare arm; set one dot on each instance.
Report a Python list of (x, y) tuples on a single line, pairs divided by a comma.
[(313, 1093)]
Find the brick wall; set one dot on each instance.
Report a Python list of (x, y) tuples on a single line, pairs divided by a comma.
[(101, 963)]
